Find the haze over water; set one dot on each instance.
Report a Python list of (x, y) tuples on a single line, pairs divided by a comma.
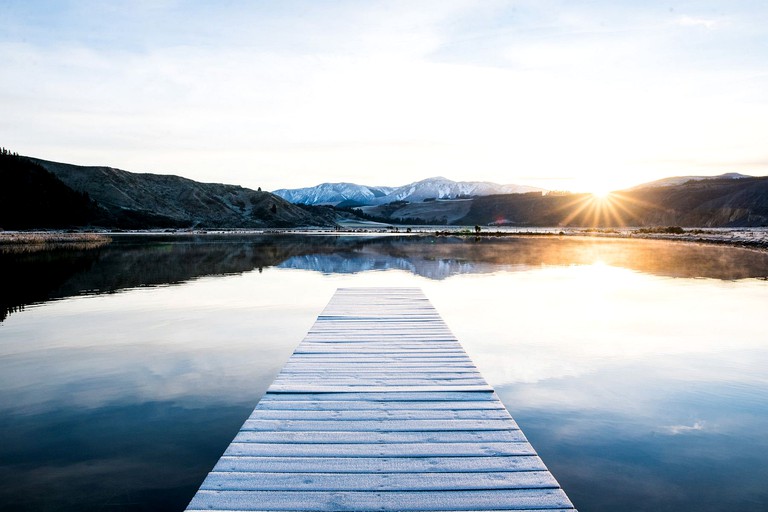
[(635, 368)]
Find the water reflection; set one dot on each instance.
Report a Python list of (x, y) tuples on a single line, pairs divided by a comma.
[(657, 442), (636, 368), (131, 262), (124, 401)]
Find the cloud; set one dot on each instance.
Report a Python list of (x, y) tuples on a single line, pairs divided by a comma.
[(683, 429), (296, 93), (691, 21)]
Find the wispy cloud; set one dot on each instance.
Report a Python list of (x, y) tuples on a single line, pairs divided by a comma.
[(683, 429), (692, 21)]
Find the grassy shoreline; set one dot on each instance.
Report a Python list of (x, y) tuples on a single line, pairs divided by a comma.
[(32, 241)]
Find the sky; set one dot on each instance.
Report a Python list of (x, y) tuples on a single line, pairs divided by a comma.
[(565, 95)]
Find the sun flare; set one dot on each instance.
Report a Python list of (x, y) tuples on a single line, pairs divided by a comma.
[(609, 209), (600, 194)]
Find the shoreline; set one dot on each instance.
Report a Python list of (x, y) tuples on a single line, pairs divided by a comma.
[(34, 241), (747, 238), (741, 238)]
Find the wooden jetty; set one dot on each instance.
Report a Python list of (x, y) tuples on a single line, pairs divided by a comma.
[(380, 409)]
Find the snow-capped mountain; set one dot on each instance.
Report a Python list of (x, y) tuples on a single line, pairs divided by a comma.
[(443, 188), (679, 180), (431, 188), (333, 193)]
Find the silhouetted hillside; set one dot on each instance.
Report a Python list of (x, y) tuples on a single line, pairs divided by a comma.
[(155, 200), (706, 203), (31, 197)]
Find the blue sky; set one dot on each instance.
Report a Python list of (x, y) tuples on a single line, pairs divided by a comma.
[(563, 95)]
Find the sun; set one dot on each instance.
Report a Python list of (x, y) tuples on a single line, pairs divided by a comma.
[(598, 189), (600, 193), (600, 208)]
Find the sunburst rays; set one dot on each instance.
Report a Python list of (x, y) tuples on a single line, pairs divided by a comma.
[(614, 209)]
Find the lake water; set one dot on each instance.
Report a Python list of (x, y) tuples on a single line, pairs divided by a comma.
[(637, 369)]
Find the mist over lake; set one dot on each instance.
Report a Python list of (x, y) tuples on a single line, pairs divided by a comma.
[(636, 368)]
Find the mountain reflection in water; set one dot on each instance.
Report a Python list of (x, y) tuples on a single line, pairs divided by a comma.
[(135, 261)]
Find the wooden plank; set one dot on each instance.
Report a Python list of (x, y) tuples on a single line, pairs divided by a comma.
[(395, 501), (380, 414), (382, 425), (374, 359), (309, 388), (425, 367), (361, 381), (245, 481), (355, 375), (438, 373), (379, 405), (372, 437), (391, 396), (380, 408), (373, 465), (379, 449)]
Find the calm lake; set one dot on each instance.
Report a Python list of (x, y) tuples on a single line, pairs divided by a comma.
[(637, 369)]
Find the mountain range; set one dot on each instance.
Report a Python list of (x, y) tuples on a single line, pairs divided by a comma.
[(37, 193), (348, 194), (730, 199), (351, 194)]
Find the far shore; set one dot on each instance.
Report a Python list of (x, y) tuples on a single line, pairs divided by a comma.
[(752, 238)]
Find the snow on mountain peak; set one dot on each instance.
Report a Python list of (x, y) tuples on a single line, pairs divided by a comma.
[(436, 187)]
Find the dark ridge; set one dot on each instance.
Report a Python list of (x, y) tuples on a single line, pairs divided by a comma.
[(161, 201), (704, 203), (33, 198)]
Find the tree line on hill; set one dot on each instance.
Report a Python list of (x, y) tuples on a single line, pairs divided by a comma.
[(31, 197)]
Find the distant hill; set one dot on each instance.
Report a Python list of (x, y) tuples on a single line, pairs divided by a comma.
[(438, 212), (695, 203), (141, 201), (679, 180), (350, 194), (714, 202)]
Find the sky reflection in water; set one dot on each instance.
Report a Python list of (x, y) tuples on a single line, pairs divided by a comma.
[(639, 389)]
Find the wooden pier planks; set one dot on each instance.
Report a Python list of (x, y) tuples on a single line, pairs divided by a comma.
[(379, 409)]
